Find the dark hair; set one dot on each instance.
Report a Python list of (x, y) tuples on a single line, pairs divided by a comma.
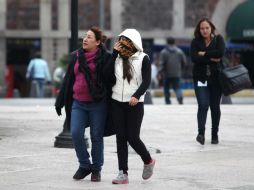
[(37, 54), (99, 36), (171, 40), (197, 33)]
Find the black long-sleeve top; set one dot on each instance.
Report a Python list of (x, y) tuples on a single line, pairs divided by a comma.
[(146, 77), (215, 49)]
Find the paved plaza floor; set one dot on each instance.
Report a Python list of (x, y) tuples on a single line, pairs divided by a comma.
[(29, 160)]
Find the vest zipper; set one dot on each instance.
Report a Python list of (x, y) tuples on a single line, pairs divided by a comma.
[(137, 81), (136, 75), (122, 90)]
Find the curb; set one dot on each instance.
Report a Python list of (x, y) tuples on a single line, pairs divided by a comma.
[(191, 93)]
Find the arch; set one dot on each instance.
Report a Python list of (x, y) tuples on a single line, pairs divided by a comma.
[(240, 25)]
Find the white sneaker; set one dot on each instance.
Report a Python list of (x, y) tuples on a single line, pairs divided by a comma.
[(121, 178), (148, 170)]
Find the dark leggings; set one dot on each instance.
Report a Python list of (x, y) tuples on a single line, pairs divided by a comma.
[(127, 120), (208, 96)]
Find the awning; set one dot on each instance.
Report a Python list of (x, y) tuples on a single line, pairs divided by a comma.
[(239, 46), (240, 24)]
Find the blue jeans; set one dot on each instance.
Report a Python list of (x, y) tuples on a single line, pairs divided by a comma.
[(208, 96), (94, 115), (175, 83), (37, 88)]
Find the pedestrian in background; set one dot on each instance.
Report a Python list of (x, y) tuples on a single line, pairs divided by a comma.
[(207, 50), (38, 73), (172, 60), (84, 95), (133, 76), (58, 76), (154, 72)]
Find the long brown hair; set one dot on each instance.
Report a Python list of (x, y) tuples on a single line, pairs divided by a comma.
[(127, 70), (197, 33)]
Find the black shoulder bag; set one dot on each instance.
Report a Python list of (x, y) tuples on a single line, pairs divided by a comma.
[(233, 79)]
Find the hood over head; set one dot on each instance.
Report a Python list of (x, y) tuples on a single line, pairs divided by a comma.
[(134, 36), (172, 48)]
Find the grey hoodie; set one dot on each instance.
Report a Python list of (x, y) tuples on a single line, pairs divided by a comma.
[(172, 59)]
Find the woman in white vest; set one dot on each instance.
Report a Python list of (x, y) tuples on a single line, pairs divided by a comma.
[(133, 75)]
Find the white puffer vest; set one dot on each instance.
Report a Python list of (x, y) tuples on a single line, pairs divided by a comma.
[(123, 91)]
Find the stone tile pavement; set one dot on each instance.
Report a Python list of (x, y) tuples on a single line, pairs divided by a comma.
[(29, 161)]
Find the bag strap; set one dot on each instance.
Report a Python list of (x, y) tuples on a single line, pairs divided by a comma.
[(222, 64)]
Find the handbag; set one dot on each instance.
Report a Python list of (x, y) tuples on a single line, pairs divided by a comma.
[(233, 79)]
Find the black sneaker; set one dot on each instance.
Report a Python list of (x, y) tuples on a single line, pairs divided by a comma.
[(81, 173), (201, 139), (96, 176)]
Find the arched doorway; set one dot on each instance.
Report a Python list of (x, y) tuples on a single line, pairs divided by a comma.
[(240, 29)]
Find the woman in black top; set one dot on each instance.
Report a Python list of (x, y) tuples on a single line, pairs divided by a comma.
[(207, 50)]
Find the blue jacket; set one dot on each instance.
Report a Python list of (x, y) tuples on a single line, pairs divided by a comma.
[(38, 69)]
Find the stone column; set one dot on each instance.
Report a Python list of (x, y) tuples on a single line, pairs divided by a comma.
[(63, 27), (116, 18), (178, 18), (3, 5), (45, 29)]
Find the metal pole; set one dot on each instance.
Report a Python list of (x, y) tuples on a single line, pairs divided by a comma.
[(64, 139), (74, 25)]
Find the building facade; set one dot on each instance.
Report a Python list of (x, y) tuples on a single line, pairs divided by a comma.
[(27, 26)]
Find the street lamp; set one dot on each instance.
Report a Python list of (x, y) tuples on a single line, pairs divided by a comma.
[(74, 25), (64, 139)]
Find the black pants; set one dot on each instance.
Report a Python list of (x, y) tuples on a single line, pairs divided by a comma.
[(127, 120), (208, 96)]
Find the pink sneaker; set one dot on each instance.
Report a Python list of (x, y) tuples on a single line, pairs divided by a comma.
[(121, 178), (148, 170)]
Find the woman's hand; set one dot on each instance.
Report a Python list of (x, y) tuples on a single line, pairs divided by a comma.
[(117, 46), (133, 101), (58, 110), (201, 53), (217, 60)]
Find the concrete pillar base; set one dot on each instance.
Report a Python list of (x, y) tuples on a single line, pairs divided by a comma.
[(226, 100), (64, 139), (148, 98)]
